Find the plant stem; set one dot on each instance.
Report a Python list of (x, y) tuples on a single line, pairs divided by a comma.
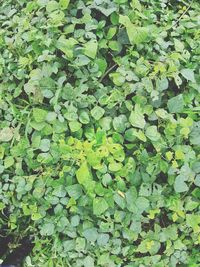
[(107, 72)]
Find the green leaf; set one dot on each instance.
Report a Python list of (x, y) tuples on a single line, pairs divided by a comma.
[(100, 131), (196, 166), (80, 244), (69, 245), (2, 152), (106, 11), (39, 114), (117, 78), (102, 239), (90, 234), (136, 5), (97, 112), (74, 191), (188, 74), (37, 125), (82, 60), (193, 221), (47, 229), (180, 185), (152, 133), (102, 64), (141, 136), (137, 119), (44, 145), (114, 45), (9, 161), (36, 216), (142, 204), (120, 1), (176, 104), (131, 196), (6, 134), (66, 46), (99, 206), (115, 166), (119, 123), (51, 116), (197, 180), (75, 220), (91, 49), (83, 174), (162, 84), (130, 135), (59, 191), (150, 246), (74, 126), (117, 152), (51, 6), (111, 32), (88, 262), (194, 135), (136, 34), (64, 4), (179, 46), (120, 201), (84, 117)]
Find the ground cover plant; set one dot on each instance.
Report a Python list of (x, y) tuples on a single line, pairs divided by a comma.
[(100, 133)]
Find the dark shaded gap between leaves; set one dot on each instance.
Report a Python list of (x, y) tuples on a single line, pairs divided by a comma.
[(17, 257), (4, 244)]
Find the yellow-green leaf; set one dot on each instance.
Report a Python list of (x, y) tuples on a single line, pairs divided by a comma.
[(64, 4), (91, 48), (83, 174)]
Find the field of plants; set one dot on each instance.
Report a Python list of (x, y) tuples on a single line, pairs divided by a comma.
[(100, 133)]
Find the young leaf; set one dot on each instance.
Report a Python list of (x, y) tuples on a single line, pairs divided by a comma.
[(83, 174), (91, 49), (64, 4), (136, 5), (39, 114)]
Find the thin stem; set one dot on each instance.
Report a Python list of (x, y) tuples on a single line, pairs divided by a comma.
[(107, 72), (183, 14)]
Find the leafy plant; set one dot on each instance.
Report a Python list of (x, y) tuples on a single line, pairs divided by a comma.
[(99, 132)]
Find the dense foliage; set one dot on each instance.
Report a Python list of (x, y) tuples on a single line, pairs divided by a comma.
[(100, 131)]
